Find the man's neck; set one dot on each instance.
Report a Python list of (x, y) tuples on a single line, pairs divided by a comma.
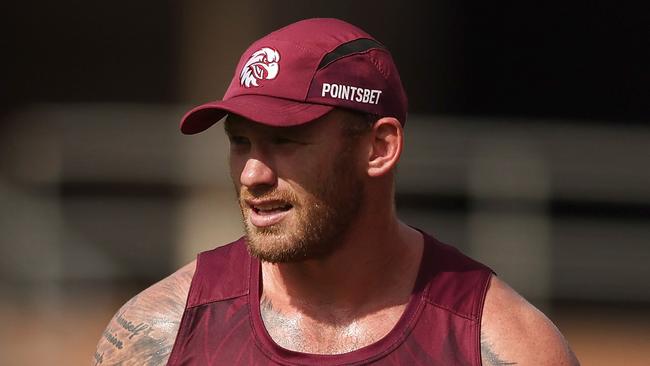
[(375, 268)]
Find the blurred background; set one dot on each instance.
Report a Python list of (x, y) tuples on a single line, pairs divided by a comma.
[(528, 147)]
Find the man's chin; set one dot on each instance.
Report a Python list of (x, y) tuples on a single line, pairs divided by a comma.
[(280, 249), (271, 254)]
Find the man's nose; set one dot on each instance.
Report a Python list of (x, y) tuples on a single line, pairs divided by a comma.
[(257, 173)]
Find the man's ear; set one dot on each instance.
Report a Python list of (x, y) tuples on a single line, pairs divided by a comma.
[(386, 146)]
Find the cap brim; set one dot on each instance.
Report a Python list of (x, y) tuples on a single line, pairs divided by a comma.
[(259, 108)]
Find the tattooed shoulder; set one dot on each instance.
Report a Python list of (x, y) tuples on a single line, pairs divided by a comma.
[(489, 356), (143, 330), (514, 332)]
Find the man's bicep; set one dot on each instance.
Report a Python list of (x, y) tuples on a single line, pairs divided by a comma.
[(134, 338), (144, 330)]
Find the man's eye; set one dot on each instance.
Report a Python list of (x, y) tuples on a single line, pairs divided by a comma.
[(238, 140), (282, 141)]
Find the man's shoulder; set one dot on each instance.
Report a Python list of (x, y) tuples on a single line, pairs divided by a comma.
[(144, 329), (514, 332)]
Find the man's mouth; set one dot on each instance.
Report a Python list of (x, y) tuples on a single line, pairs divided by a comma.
[(271, 208), (268, 213)]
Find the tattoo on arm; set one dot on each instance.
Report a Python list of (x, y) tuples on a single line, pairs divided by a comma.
[(99, 358), (489, 356), (143, 331)]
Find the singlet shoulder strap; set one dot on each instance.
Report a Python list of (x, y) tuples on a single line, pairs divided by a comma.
[(221, 273), (457, 283)]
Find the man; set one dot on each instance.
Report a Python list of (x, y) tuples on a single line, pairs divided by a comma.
[(326, 273)]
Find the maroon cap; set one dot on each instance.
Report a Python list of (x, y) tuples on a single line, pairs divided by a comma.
[(302, 71)]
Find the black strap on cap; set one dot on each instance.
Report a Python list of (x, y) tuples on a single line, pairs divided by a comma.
[(356, 46)]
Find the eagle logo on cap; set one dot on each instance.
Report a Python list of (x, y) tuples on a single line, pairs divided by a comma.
[(262, 65)]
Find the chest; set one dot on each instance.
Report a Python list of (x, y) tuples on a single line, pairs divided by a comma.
[(321, 334)]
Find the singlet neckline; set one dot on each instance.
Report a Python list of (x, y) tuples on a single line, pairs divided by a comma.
[(373, 351)]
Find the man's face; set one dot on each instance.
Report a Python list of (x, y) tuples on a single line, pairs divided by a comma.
[(299, 188)]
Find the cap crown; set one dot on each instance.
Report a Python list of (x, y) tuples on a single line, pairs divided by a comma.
[(322, 61)]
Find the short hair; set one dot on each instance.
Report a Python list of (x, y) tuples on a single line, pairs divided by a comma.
[(358, 123)]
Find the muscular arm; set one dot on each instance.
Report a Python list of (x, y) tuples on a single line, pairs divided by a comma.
[(143, 331), (513, 332)]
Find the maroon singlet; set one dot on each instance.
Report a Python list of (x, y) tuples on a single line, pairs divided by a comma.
[(222, 324)]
